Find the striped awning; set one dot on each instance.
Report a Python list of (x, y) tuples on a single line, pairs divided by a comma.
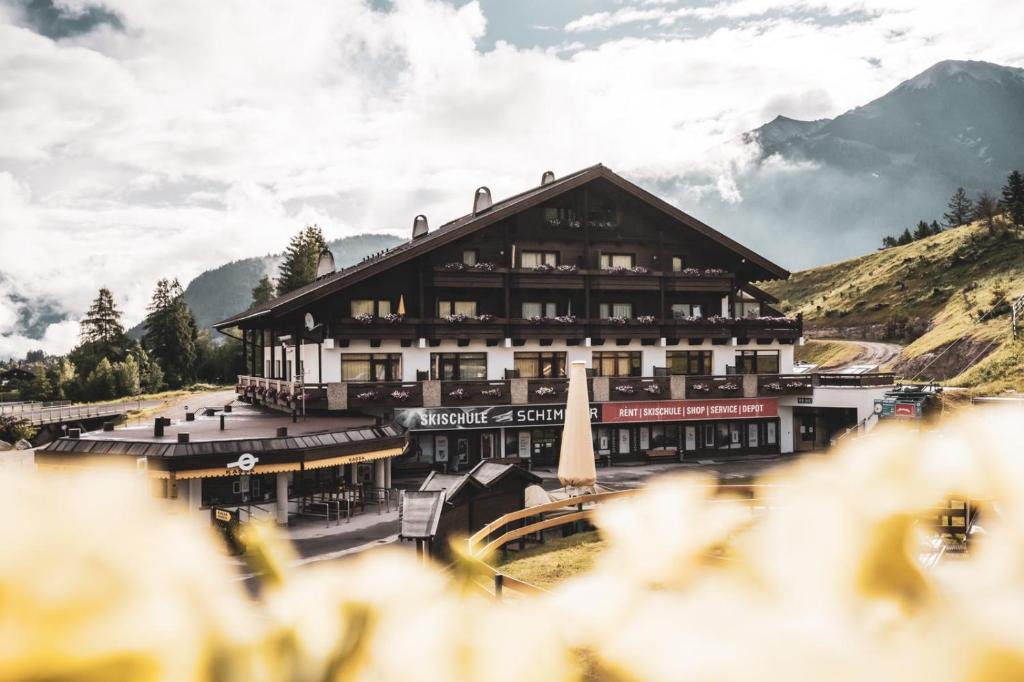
[(354, 459)]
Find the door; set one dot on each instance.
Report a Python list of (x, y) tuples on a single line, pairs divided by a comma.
[(462, 450), (486, 445), (623, 436)]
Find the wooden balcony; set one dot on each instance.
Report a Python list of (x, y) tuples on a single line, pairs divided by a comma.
[(621, 389), (707, 387), (604, 280), (771, 385), (554, 280), (468, 329), (552, 391), (710, 327), (385, 394), (458, 393), (679, 281), (378, 328), (547, 329), (469, 278), (768, 328), (633, 329)]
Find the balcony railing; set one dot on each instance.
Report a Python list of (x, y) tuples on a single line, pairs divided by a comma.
[(552, 391), (377, 328), (855, 380), (547, 328), (281, 394), (455, 393), (704, 387), (638, 388), (633, 328), (385, 394), (769, 385), (470, 328)]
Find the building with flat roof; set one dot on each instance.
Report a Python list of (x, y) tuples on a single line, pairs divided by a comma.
[(463, 335)]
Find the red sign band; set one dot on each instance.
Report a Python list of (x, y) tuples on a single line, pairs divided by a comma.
[(689, 410)]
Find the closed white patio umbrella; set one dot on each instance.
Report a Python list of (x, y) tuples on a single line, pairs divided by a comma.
[(576, 459)]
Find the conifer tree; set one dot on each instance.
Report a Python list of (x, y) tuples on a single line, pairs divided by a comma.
[(300, 260), (960, 209), (1013, 198), (171, 333), (936, 228), (102, 322), (922, 230), (888, 242), (986, 208), (263, 292), (905, 238)]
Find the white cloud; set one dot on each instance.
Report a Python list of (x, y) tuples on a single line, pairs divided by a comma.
[(211, 131)]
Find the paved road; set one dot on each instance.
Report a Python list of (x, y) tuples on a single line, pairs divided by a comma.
[(872, 356)]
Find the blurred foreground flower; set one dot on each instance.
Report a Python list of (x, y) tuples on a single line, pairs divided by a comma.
[(816, 578)]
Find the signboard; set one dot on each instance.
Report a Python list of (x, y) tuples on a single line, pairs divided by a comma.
[(222, 515), (683, 410), (445, 418), (524, 444), (905, 410), (805, 400)]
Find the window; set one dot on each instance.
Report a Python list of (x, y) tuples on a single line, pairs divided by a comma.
[(366, 306), (744, 309), (617, 260), (607, 310), (458, 366), (534, 259), (617, 363), (560, 216), (467, 308), (371, 367), (684, 310), (677, 263), (537, 365), (757, 362), (469, 256), (696, 362), (531, 309)]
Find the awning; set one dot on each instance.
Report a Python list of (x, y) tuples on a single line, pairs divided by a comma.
[(215, 472), (353, 459)]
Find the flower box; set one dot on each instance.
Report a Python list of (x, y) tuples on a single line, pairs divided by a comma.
[(459, 394), (400, 396), (653, 389), (491, 392), (647, 319), (625, 389), (364, 318), (393, 318), (368, 395), (544, 391)]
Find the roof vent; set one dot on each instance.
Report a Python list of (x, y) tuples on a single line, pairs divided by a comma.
[(419, 226), (481, 200), (547, 178), (325, 265)]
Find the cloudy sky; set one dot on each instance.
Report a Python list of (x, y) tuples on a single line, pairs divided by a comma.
[(142, 139)]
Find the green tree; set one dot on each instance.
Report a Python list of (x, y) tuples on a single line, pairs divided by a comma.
[(986, 208), (102, 322), (1012, 200), (905, 238), (39, 387), (922, 230), (263, 292), (62, 378), (960, 209), (101, 383), (888, 242), (171, 333), (300, 260), (126, 375), (151, 375), (936, 228)]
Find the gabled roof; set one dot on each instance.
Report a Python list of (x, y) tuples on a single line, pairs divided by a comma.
[(421, 513), (470, 223), (484, 475)]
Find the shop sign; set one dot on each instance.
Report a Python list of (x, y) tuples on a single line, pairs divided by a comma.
[(683, 410), (805, 400), (222, 515), (431, 418), (905, 410)]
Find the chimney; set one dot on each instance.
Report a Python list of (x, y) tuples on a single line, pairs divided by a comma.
[(481, 200), (547, 178), (419, 226), (182, 437)]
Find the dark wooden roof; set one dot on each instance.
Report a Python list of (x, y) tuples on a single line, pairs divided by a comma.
[(467, 224), (421, 513), (484, 475)]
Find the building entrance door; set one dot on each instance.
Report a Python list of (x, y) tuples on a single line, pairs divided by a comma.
[(624, 446)]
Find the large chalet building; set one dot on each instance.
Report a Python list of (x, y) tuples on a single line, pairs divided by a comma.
[(463, 335)]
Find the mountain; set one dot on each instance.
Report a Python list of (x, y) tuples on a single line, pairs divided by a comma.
[(947, 296), (226, 290), (834, 187)]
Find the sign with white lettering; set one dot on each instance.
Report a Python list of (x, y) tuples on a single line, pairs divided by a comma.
[(685, 410)]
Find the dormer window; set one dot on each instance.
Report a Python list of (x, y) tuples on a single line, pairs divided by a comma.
[(470, 257)]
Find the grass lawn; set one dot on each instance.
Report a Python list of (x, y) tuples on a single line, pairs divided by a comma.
[(548, 564), (827, 353)]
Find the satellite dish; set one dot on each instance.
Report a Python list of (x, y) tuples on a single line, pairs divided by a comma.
[(309, 321), (325, 265)]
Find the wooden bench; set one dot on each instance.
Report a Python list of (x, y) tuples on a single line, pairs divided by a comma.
[(662, 455)]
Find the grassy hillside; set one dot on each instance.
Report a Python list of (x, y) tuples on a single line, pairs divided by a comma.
[(947, 296), (826, 354)]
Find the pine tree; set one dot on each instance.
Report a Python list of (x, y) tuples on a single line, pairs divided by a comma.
[(263, 292), (102, 322), (300, 260), (905, 238), (888, 242), (151, 375), (1013, 198), (922, 230), (936, 228), (101, 384), (986, 208), (960, 209), (171, 333)]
